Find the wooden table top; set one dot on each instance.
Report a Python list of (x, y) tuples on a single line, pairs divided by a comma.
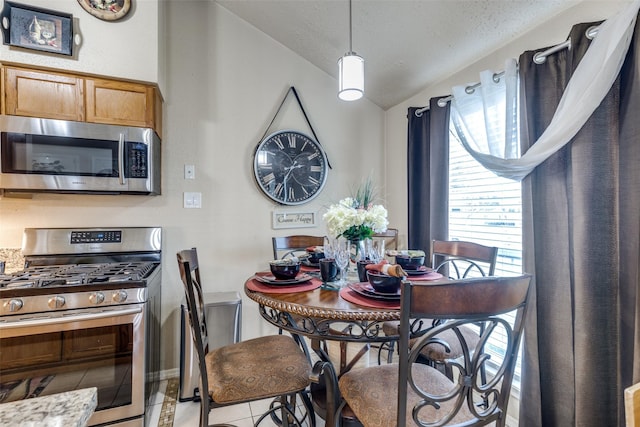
[(321, 304)]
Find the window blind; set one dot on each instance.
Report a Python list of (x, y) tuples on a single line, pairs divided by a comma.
[(486, 209)]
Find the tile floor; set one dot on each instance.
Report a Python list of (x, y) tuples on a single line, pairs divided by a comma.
[(167, 411)]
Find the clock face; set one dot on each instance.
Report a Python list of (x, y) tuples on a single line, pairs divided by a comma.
[(290, 167)]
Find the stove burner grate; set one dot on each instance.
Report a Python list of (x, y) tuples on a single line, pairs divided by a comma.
[(77, 274)]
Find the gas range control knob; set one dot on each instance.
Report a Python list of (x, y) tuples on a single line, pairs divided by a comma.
[(120, 296), (56, 302), (96, 298), (14, 305)]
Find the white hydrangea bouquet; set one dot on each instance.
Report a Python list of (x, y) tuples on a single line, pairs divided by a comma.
[(357, 217)]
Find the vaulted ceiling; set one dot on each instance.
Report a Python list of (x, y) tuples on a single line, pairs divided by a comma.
[(407, 45)]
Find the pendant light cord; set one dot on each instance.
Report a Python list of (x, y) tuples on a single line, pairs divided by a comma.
[(350, 30)]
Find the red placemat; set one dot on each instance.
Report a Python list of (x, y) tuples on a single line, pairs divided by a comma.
[(255, 285), (429, 276), (354, 297)]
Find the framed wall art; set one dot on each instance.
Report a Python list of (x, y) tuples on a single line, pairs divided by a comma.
[(107, 10), (37, 28)]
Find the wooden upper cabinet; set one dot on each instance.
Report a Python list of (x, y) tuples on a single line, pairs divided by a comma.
[(37, 94), (116, 102), (71, 96)]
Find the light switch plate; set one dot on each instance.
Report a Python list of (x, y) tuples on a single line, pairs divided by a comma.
[(192, 200)]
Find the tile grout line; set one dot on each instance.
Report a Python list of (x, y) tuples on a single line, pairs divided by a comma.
[(168, 411)]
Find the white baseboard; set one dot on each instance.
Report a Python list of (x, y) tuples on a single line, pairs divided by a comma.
[(169, 373)]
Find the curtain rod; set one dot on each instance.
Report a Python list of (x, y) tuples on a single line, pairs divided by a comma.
[(538, 58)]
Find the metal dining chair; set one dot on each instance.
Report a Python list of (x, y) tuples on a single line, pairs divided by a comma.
[(260, 368), (412, 393), (455, 259), (286, 246)]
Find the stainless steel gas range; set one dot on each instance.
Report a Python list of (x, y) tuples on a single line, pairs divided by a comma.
[(85, 312)]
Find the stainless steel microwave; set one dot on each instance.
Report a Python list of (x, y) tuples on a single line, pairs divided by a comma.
[(38, 155)]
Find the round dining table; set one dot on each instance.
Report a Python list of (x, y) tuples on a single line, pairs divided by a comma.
[(329, 318)]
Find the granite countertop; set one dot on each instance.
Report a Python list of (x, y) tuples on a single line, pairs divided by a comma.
[(13, 259), (68, 409)]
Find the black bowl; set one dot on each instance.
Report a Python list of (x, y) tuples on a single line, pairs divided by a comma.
[(314, 257), (383, 283), (408, 262), (285, 269)]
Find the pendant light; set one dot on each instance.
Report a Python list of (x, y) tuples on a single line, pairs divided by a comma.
[(350, 72)]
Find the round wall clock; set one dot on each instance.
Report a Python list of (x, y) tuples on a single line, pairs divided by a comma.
[(290, 167), (107, 10)]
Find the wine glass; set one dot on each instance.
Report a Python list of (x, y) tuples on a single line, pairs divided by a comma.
[(329, 247), (342, 256), (376, 252)]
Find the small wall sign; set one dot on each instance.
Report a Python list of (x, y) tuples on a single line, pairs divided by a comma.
[(287, 219)]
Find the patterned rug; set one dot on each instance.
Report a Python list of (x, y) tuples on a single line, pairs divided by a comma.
[(23, 389), (168, 411)]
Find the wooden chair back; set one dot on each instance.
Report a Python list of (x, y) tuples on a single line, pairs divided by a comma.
[(390, 238), (287, 246), (190, 275), (461, 303), (632, 405), (460, 259)]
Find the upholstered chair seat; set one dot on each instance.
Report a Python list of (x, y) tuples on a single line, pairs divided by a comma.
[(370, 390), (252, 370)]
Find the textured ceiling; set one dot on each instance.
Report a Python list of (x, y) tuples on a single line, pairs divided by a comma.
[(406, 44)]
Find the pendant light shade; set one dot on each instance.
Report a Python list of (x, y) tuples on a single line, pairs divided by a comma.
[(350, 72)]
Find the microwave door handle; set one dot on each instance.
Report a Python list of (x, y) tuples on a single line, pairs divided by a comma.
[(123, 180)]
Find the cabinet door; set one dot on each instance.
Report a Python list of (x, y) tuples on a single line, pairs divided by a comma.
[(43, 94), (123, 103)]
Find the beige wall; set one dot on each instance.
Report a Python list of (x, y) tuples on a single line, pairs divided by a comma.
[(222, 81), (552, 32)]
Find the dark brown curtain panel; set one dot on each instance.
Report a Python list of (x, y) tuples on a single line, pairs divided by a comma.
[(428, 175), (581, 232)]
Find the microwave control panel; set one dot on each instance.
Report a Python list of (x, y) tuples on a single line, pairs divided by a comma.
[(137, 160)]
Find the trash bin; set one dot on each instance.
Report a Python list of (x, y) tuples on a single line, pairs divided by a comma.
[(223, 311)]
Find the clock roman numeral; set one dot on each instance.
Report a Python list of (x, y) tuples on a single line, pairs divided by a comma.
[(292, 141), (314, 181), (279, 143), (313, 156), (292, 194), (304, 145), (278, 190), (268, 178), (317, 169)]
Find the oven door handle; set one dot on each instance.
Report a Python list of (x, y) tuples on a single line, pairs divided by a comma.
[(70, 318)]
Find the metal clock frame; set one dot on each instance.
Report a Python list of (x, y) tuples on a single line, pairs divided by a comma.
[(325, 163)]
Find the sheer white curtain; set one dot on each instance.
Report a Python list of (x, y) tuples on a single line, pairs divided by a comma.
[(495, 147)]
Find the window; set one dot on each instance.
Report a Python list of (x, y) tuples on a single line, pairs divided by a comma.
[(485, 209)]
